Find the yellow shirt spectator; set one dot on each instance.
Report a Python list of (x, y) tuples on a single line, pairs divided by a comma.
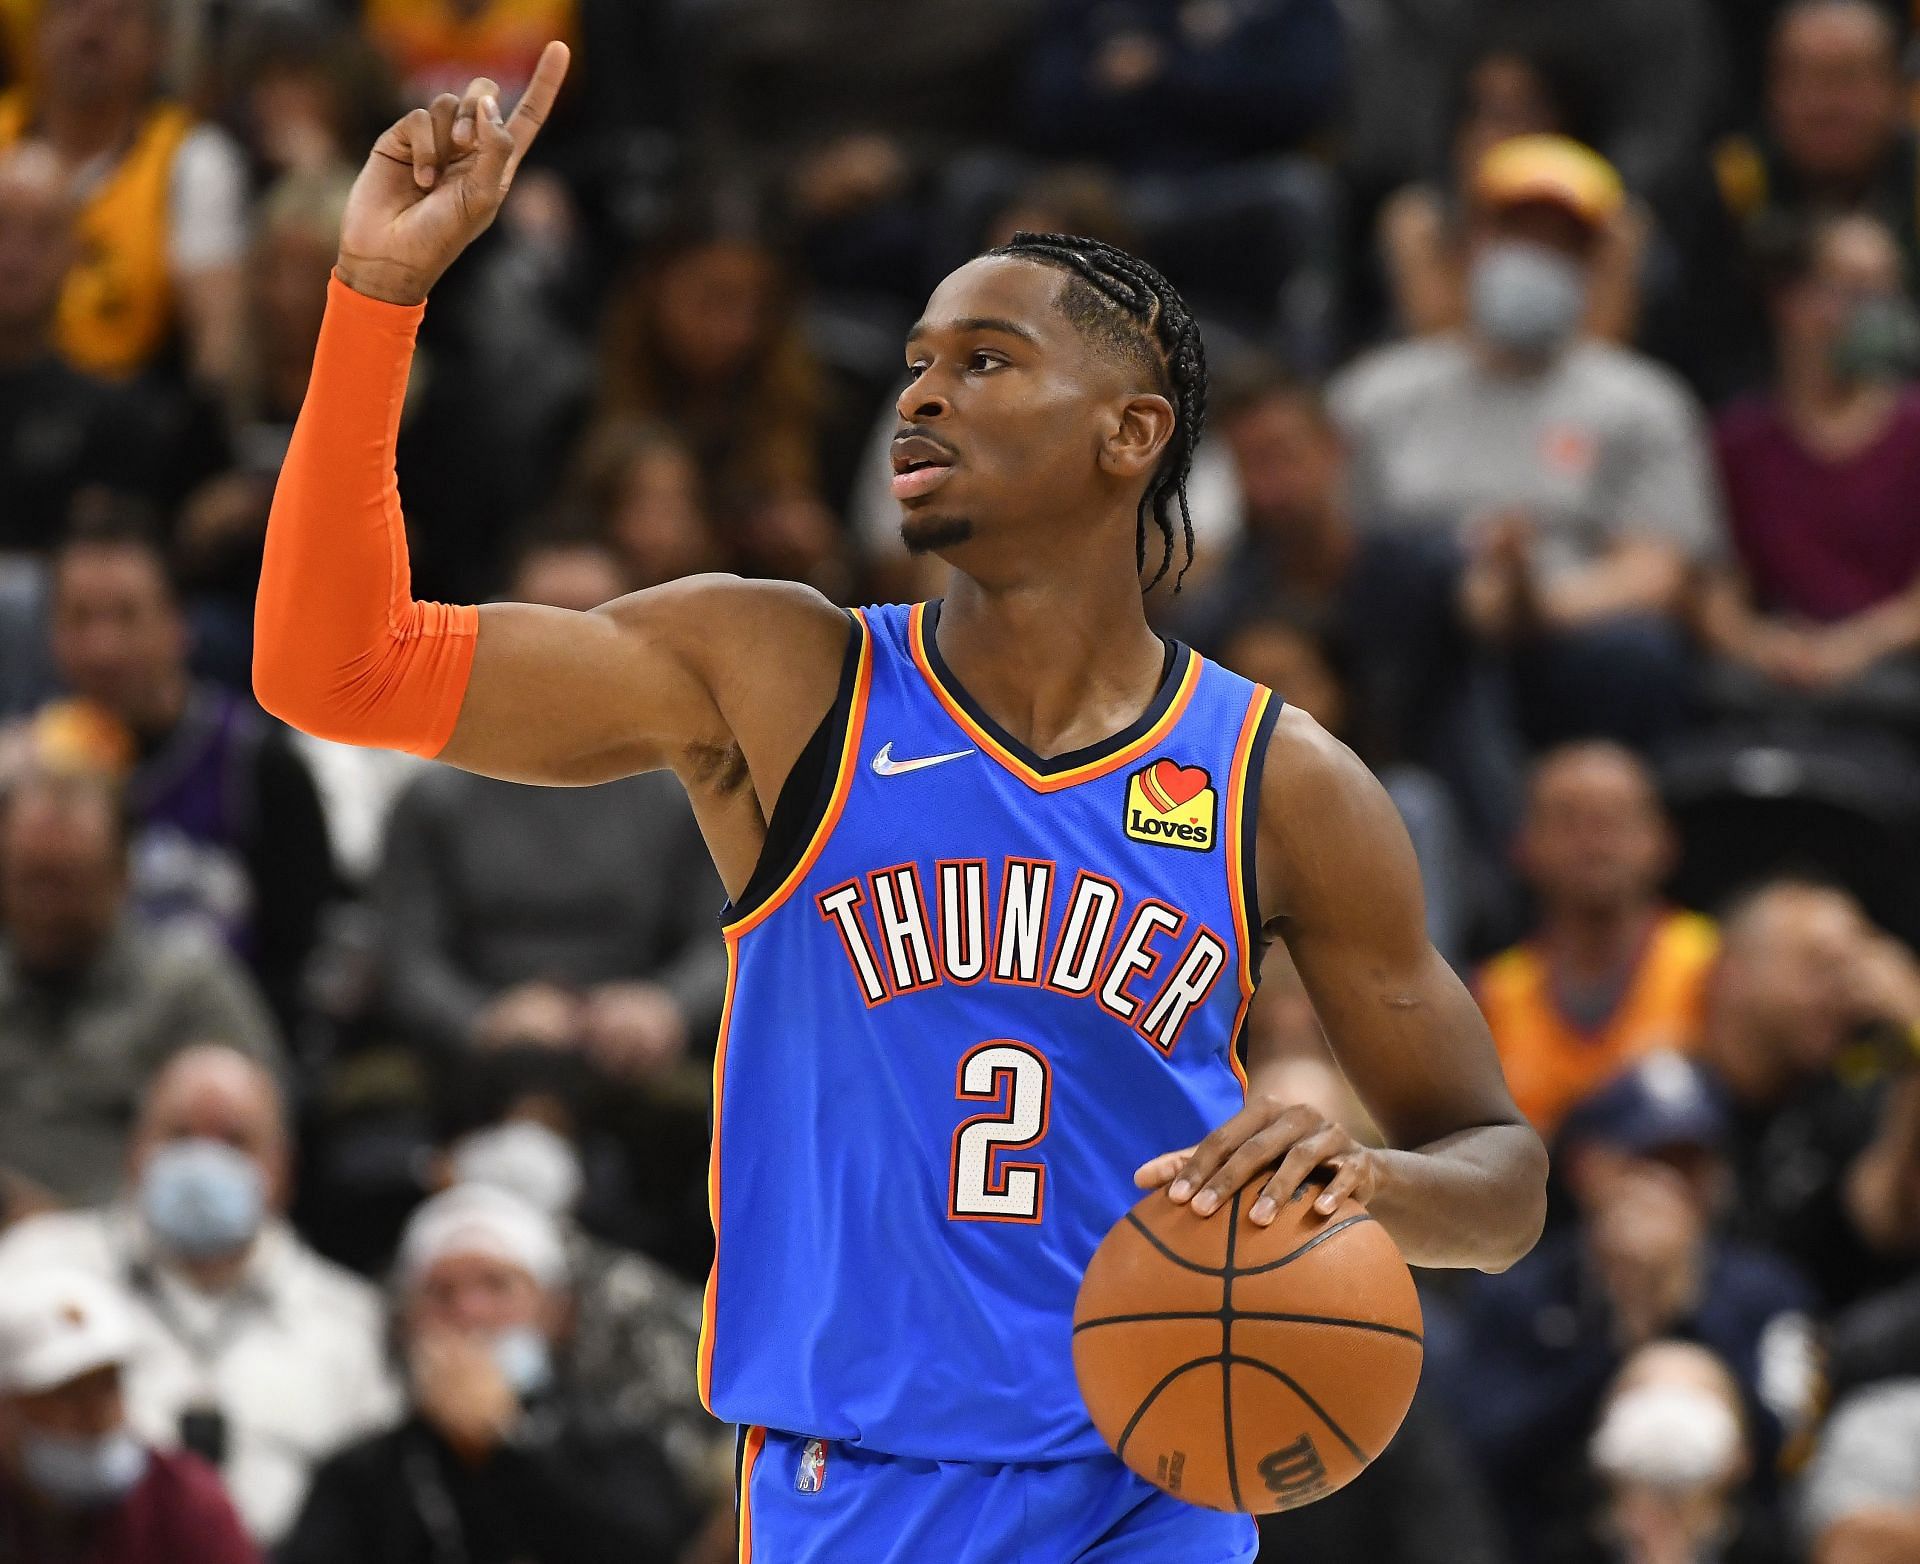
[(1551, 1059), (439, 46)]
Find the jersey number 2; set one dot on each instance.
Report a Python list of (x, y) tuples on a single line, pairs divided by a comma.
[(984, 1185)]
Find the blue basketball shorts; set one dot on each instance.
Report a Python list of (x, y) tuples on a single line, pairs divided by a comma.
[(812, 1501)]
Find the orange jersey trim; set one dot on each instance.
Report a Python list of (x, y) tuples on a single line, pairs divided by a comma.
[(1237, 868), (710, 1301), (732, 935), (1042, 782)]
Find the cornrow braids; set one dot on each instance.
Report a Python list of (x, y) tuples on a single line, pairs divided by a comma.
[(1128, 305)]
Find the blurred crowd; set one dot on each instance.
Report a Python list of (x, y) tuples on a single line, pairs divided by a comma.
[(1564, 458)]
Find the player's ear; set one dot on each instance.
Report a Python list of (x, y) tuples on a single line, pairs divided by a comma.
[(1133, 444)]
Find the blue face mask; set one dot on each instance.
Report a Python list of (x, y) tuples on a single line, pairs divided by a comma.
[(82, 1474), (202, 1199), (524, 1359), (1526, 298)]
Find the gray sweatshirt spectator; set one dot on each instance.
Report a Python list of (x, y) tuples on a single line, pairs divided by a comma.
[(91, 1001)]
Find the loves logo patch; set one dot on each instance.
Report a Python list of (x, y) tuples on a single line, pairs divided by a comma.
[(1171, 805)]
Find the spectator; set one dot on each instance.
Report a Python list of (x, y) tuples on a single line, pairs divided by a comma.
[(1876, 1338), (705, 328), (1819, 476), (1861, 1498), (1506, 91), (1384, 601), (529, 1126), (578, 918), (1573, 472), (162, 199), (1828, 1169), (1203, 111), (851, 117), (76, 1485), (1671, 1453), (229, 828), (306, 92), (222, 525), (437, 46), (1609, 972), (1165, 86), (1837, 136), (493, 1463), (638, 483), (1288, 657), (253, 1352), (1644, 1160), (91, 1000), (60, 428)]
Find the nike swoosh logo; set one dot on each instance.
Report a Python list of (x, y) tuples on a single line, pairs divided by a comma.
[(884, 765)]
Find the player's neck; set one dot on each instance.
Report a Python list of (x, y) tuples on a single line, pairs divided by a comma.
[(1060, 664)]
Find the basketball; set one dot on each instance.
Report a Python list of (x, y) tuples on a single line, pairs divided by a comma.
[(1242, 1367)]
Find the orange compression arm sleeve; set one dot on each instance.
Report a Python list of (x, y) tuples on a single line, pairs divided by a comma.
[(340, 647)]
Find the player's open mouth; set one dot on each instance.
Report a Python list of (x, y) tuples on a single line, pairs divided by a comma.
[(920, 465)]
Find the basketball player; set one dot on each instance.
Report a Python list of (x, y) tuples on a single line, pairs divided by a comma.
[(1000, 871)]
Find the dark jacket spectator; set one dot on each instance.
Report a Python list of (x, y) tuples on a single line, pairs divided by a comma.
[(229, 830), (492, 1465), (1825, 1146), (61, 429), (1159, 85), (1537, 1345)]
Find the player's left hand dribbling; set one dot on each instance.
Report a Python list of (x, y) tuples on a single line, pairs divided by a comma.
[(1286, 1141)]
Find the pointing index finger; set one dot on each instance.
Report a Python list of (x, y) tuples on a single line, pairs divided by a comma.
[(536, 103)]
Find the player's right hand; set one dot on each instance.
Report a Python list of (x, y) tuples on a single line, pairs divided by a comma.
[(436, 181)]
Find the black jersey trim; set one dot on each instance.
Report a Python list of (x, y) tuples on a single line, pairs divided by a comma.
[(1172, 671), (806, 795), (1248, 847)]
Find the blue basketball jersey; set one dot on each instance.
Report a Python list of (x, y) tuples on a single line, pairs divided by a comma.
[(983, 990)]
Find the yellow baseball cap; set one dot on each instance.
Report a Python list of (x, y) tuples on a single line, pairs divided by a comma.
[(1556, 170)]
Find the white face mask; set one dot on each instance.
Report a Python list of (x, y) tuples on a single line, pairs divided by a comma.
[(1667, 1436), (524, 1159), (1526, 298)]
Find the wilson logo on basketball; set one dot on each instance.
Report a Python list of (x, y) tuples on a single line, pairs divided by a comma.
[(1171, 805), (1295, 1473)]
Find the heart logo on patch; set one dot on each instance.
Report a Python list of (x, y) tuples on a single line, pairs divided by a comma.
[(1173, 784)]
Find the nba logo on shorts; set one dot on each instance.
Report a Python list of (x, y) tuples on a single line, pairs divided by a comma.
[(812, 1476)]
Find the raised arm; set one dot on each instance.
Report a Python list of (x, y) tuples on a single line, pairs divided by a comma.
[(1462, 1181), (718, 679)]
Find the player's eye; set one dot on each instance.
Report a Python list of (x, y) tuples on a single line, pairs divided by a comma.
[(984, 360)]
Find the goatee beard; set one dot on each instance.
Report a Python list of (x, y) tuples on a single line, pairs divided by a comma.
[(930, 534)]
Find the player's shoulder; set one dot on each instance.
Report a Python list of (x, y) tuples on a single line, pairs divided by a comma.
[(1307, 768), (1325, 822), (717, 618)]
